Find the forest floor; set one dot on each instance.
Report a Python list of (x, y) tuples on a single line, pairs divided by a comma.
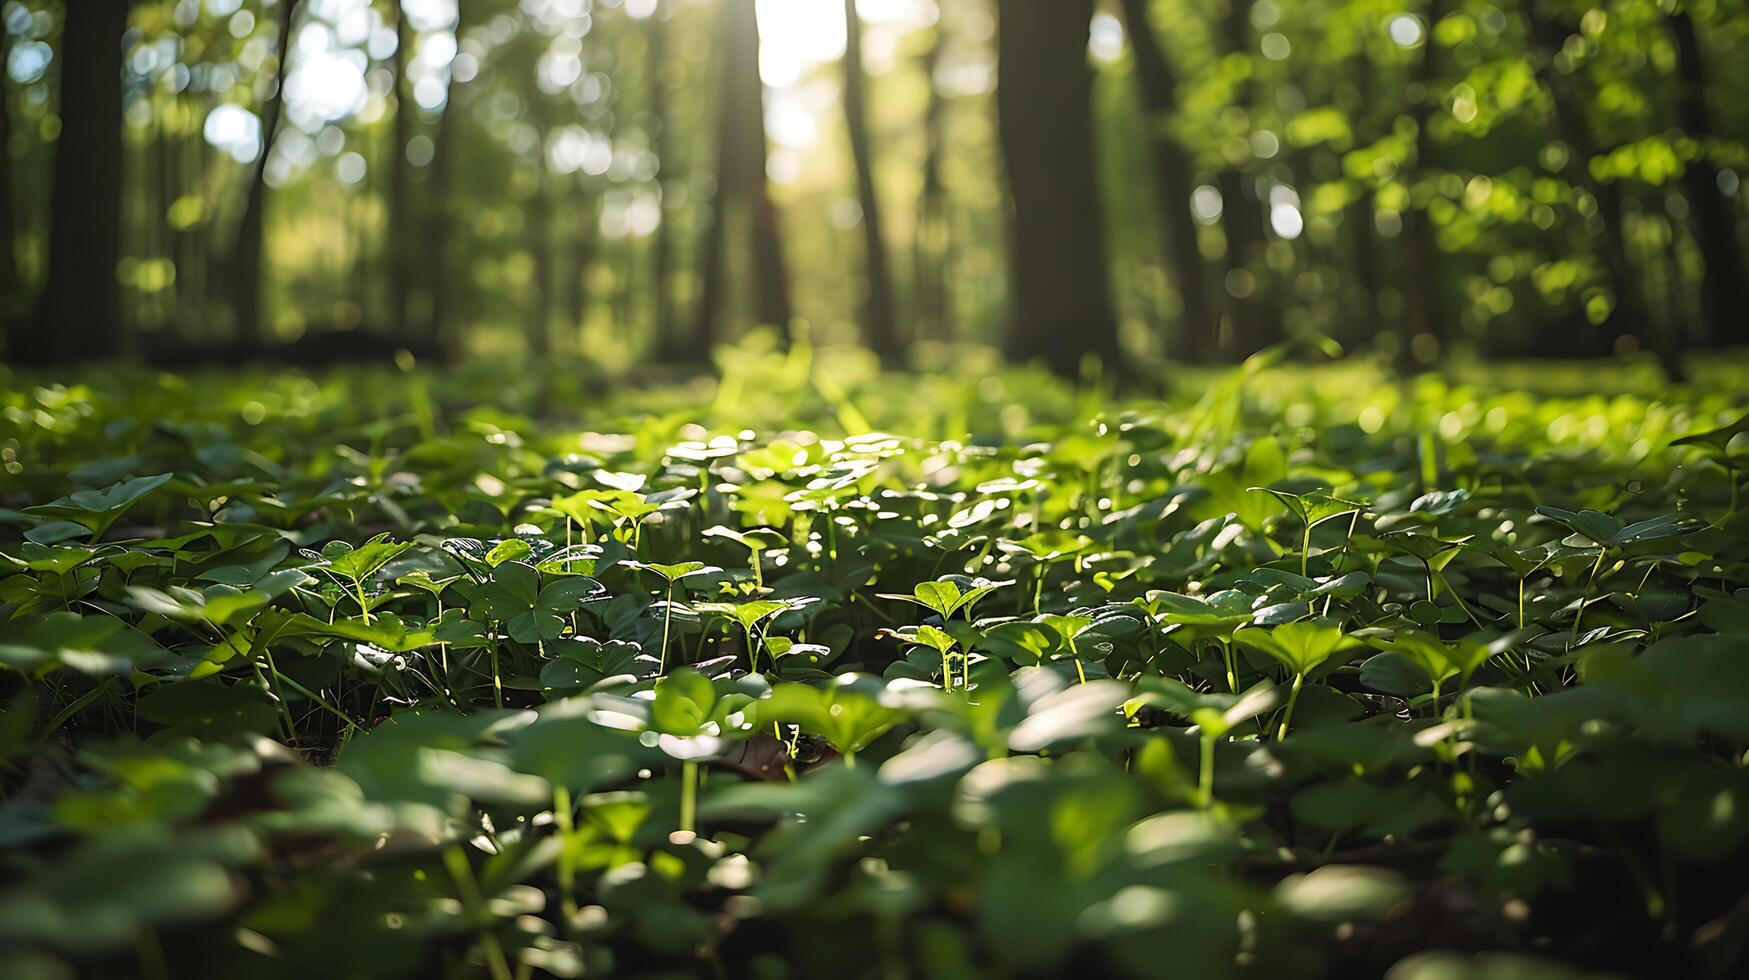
[(505, 670)]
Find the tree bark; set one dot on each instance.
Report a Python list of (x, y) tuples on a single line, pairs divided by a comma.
[(879, 329), (399, 223), (930, 239), (1174, 175), (11, 282), (1724, 297), (667, 341), (9, 277), (1630, 314), (81, 300), (741, 179), (1060, 305), (1426, 310), (248, 253), (1242, 219)]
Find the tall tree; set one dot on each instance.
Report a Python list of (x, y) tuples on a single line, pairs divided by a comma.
[(741, 183), (81, 300), (1060, 303), (439, 208), (11, 284), (1421, 273), (668, 341), (1724, 296), (1242, 216), (930, 241), (879, 329), (247, 254), (399, 223), (1173, 179), (1629, 315)]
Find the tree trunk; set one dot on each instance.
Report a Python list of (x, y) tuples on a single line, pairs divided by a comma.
[(11, 283), (1724, 297), (667, 341), (1630, 314), (584, 228), (1426, 309), (247, 256), (1174, 175), (1361, 217), (929, 239), (540, 331), (741, 179), (1060, 305), (81, 300), (399, 224), (1242, 220), (879, 329)]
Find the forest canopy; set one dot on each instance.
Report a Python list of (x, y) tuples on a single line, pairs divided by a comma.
[(643, 179)]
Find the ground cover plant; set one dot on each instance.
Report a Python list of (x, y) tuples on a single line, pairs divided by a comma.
[(1290, 673)]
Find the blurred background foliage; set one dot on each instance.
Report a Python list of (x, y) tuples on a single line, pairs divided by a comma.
[(639, 181)]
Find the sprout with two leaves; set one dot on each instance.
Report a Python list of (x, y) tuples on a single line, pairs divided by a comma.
[(1214, 715), (1302, 648), (850, 712), (671, 574), (946, 596), (754, 619), (1214, 618), (1314, 509), (690, 719)]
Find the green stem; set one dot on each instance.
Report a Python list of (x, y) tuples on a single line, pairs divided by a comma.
[(667, 617), (688, 795), (497, 678), (567, 873), (474, 903), (1205, 779), (1292, 699), (1590, 583)]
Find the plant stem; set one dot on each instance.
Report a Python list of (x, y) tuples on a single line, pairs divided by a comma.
[(562, 817), (688, 795), (1205, 778), (468, 890), (667, 617), (497, 679), (1292, 699)]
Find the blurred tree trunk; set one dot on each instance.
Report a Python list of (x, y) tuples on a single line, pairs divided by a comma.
[(1724, 297), (667, 340), (1060, 304), (11, 283), (1421, 266), (1242, 218), (399, 225), (929, 237), (246, 257), (880, 331), (440, 210), (582, 256), (741, 180), (1174, 175), (81, 300), (1361, 217), (439, 221), (1629, 315), (540, 246)]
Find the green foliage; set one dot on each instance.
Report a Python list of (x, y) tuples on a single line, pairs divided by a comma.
[(1018, 702)]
